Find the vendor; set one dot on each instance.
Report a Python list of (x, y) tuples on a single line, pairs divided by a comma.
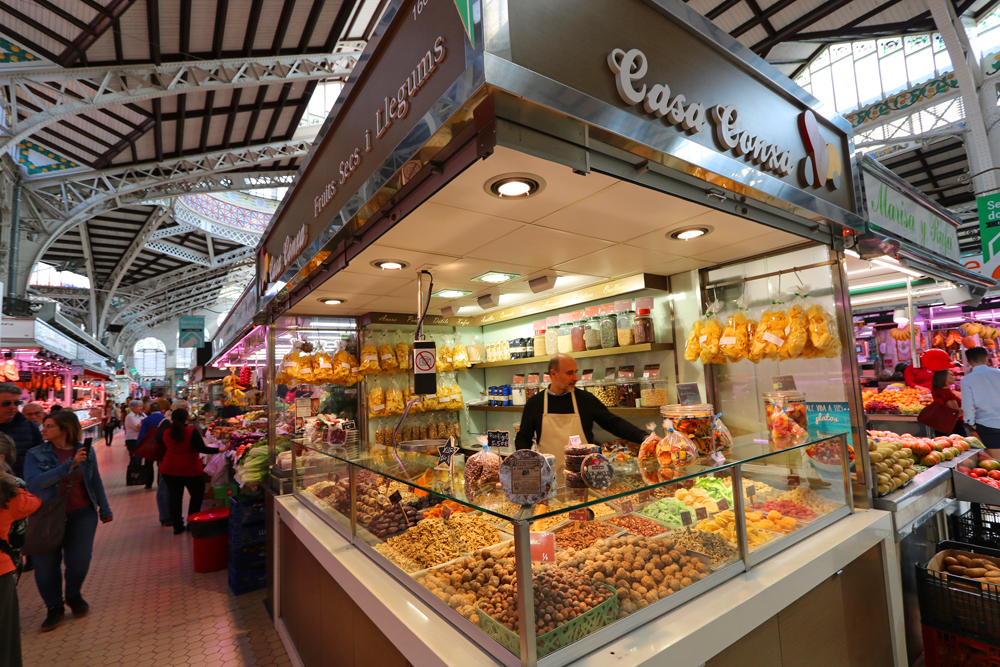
[(562, 410), (919, 376)]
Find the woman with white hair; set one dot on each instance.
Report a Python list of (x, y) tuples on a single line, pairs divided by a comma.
[(133, 422)]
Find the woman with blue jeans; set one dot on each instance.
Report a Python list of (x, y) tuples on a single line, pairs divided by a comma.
[(58, 466)]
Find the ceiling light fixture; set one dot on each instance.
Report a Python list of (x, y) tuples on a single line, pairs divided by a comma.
[(899, 316), (689, 233), (514, 186), (332, 302), (451, 293), (448, 311), (542, 283), (390, 264), (488, 301), (496, 277)]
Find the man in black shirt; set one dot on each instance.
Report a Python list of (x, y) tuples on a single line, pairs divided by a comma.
[(562, 410)]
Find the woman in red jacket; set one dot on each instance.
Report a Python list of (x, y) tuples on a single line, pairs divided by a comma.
[(181, 466), (15, 504)]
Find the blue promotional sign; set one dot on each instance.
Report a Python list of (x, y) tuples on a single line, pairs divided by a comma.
[(834, 416), (192, 331)]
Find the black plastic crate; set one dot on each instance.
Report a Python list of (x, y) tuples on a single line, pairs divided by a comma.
[(244, 582), (958, 605), (980, 525), (242, 513), (247, 534), (247, 558)]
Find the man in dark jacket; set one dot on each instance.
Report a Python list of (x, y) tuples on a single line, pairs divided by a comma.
[(24, 432)]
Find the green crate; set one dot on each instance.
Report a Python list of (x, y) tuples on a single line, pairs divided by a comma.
[(224, 491), (603, 614)]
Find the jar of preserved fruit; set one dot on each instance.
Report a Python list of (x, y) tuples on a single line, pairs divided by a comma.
[(576, 337), (551, 341), (794, 403), (539, 349), (642, 327), (696, 422), (609, 332), (625, 321), (592, 333), (565, 338), (628, 391)]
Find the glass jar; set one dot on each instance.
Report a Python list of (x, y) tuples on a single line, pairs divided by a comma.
[(576, 337), (477, 354), (540, 350), (606, 393), (551, 341), (653, 394), (609, 332), (628, 391), (794, 403), (642, 327), (696, 422), (592, 333), (626, 336), (565, 338)]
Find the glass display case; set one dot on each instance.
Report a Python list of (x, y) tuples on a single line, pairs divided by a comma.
[(654, 538)]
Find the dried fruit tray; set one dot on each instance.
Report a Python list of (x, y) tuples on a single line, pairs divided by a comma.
[(581, 626), (505, 538)]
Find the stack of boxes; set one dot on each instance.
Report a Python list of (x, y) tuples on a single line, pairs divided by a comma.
[(247, 553)]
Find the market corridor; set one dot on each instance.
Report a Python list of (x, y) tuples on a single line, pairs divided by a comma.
[(148, 608)]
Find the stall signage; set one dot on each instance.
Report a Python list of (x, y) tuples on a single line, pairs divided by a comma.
[(498, 439), (543, 547), (51, 339), (895, 212), (783, 382), (76, 367), (239, 317), (17, 330), (191, 331), (827, 415), (989, 225), (400, 76), (406, 318), (274, 266), (632, 54), (688, 393)]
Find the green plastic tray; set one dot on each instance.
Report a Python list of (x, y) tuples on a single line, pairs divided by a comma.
[(603, 614)]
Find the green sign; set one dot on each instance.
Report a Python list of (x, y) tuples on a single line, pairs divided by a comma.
[(192, 332), (465, 11), (899, 214), (989, 225)]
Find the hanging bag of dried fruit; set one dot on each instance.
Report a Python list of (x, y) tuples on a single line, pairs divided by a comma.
[(369, 357), (402, 351), (387, 357), (710, 335), (376, 400), (739, 330)]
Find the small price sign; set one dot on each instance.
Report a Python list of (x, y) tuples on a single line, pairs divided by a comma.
[(396, 497), (723, 505), (446, 512), (688, 393), (790, 480), (445, 454), (333, 477), (701, 513), (626, 506), (543, 547), (580, 515), (783, 382), (643, 496), (686, 518), (497, 439), (751, 491)]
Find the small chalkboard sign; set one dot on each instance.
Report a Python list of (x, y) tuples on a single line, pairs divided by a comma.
[(688, 393), (783, 382), (24, 376), (723, 505), (686, 518), (445, 454), (626, 506), (349, 425), (497, 439), (396, 497), (701, 513), (446, 512)]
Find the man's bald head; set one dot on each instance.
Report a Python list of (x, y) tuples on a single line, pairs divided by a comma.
[(562, 373)]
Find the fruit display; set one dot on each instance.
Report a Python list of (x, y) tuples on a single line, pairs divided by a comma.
[(476, 577), (806, 497), (666, 510), (898, 399), (828, 452), (787, 508), (232, 389), (724, 523), (560, 595), (713, 545), (637, 525), (584, 534)]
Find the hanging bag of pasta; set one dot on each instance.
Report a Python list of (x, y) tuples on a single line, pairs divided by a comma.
[(322, 366), (305, 362), (394, 399), (376, 400), (823, 332), (369, 357), (402, 352), (692, 348), (797, 328), (343, 363), (444, 359), (770, 333), (711, 334), (456, 402), (459, 356), (738, 331), (387, 358)]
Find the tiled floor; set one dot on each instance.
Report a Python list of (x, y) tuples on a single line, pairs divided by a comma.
[(148, 608)]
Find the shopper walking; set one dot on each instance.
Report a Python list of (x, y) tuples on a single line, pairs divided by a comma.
[(182, 467), (34, 412), (981, 400), (15, 505), (133, 422), (152, 423), (108, 421), (25, 433), (62, 465)]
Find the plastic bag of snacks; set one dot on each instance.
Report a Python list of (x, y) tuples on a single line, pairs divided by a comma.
[(345, 368), (304, 368), (784, 430), (443, 394), (456, 402), (394, 400), (723, 438), (369, 357), (711, 333), (481, 469), (430, 403), (402, 354), (738, 331), (770, 333), (823, 333), (408, 396), (460, 357), (797, 327), (647, 449), (387, 358), (681, 450), (445, 362), (322, 366), (376, 401), (692, 348)]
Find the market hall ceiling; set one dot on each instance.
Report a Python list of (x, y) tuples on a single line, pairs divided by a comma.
[(90, 161)]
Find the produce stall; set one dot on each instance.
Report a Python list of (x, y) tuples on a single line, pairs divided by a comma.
[(519, 207)]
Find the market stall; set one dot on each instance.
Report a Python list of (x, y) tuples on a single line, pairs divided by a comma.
[(518, 207)]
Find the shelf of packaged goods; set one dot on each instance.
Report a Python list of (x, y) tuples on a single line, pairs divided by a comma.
[(610, 352), (624, 412)]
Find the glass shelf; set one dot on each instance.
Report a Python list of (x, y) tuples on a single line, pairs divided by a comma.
[(419, 472)]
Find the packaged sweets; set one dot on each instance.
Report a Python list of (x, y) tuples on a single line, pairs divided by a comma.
[(792, 402), (739, 330), (694, 421), (770, 334), (723, 438), (710, 336), (376, 401), (682, 451), (481, 470), (784, 431), (647, 450), (369, 358), (387, 358)]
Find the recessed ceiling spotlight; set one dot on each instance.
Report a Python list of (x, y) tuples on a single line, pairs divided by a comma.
[(514, 186), (688, 233), (496, 277), (332, 302), (390, 264), (451, 293)]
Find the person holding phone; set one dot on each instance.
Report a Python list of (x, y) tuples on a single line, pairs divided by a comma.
[(62, 465)]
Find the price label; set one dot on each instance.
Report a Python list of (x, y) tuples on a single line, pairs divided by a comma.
[(577, 315), (565, 318), (686, 518), (588, 375), (790, 480), (751, 491), (526, 476), (396, 497), (532, 378), (607, 309), (497, 439), (622, 306), (303, 407), (609, 373), (688, 393), (518, 379), (583, 514), (626, 506), (701, 513), (644, 302), (644, 496), (783, 382), (445, 512), (445, 454), (651, 371), (592, 311), (723, 505), (349, 425), (543, 547), (551, 321)]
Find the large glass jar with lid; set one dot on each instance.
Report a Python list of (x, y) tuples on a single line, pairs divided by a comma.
[(624, 323), (539, 349), (552, 341), (642, 327), (696, 422), (592, 333), (609, 331), (565, 340), (576, 337), (793, 403)]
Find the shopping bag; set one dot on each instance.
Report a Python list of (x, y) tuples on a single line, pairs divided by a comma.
[(149, 448), (47, 525), (939, 417), (138, 474)]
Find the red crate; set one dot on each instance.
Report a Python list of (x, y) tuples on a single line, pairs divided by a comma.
[(943, 649)]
